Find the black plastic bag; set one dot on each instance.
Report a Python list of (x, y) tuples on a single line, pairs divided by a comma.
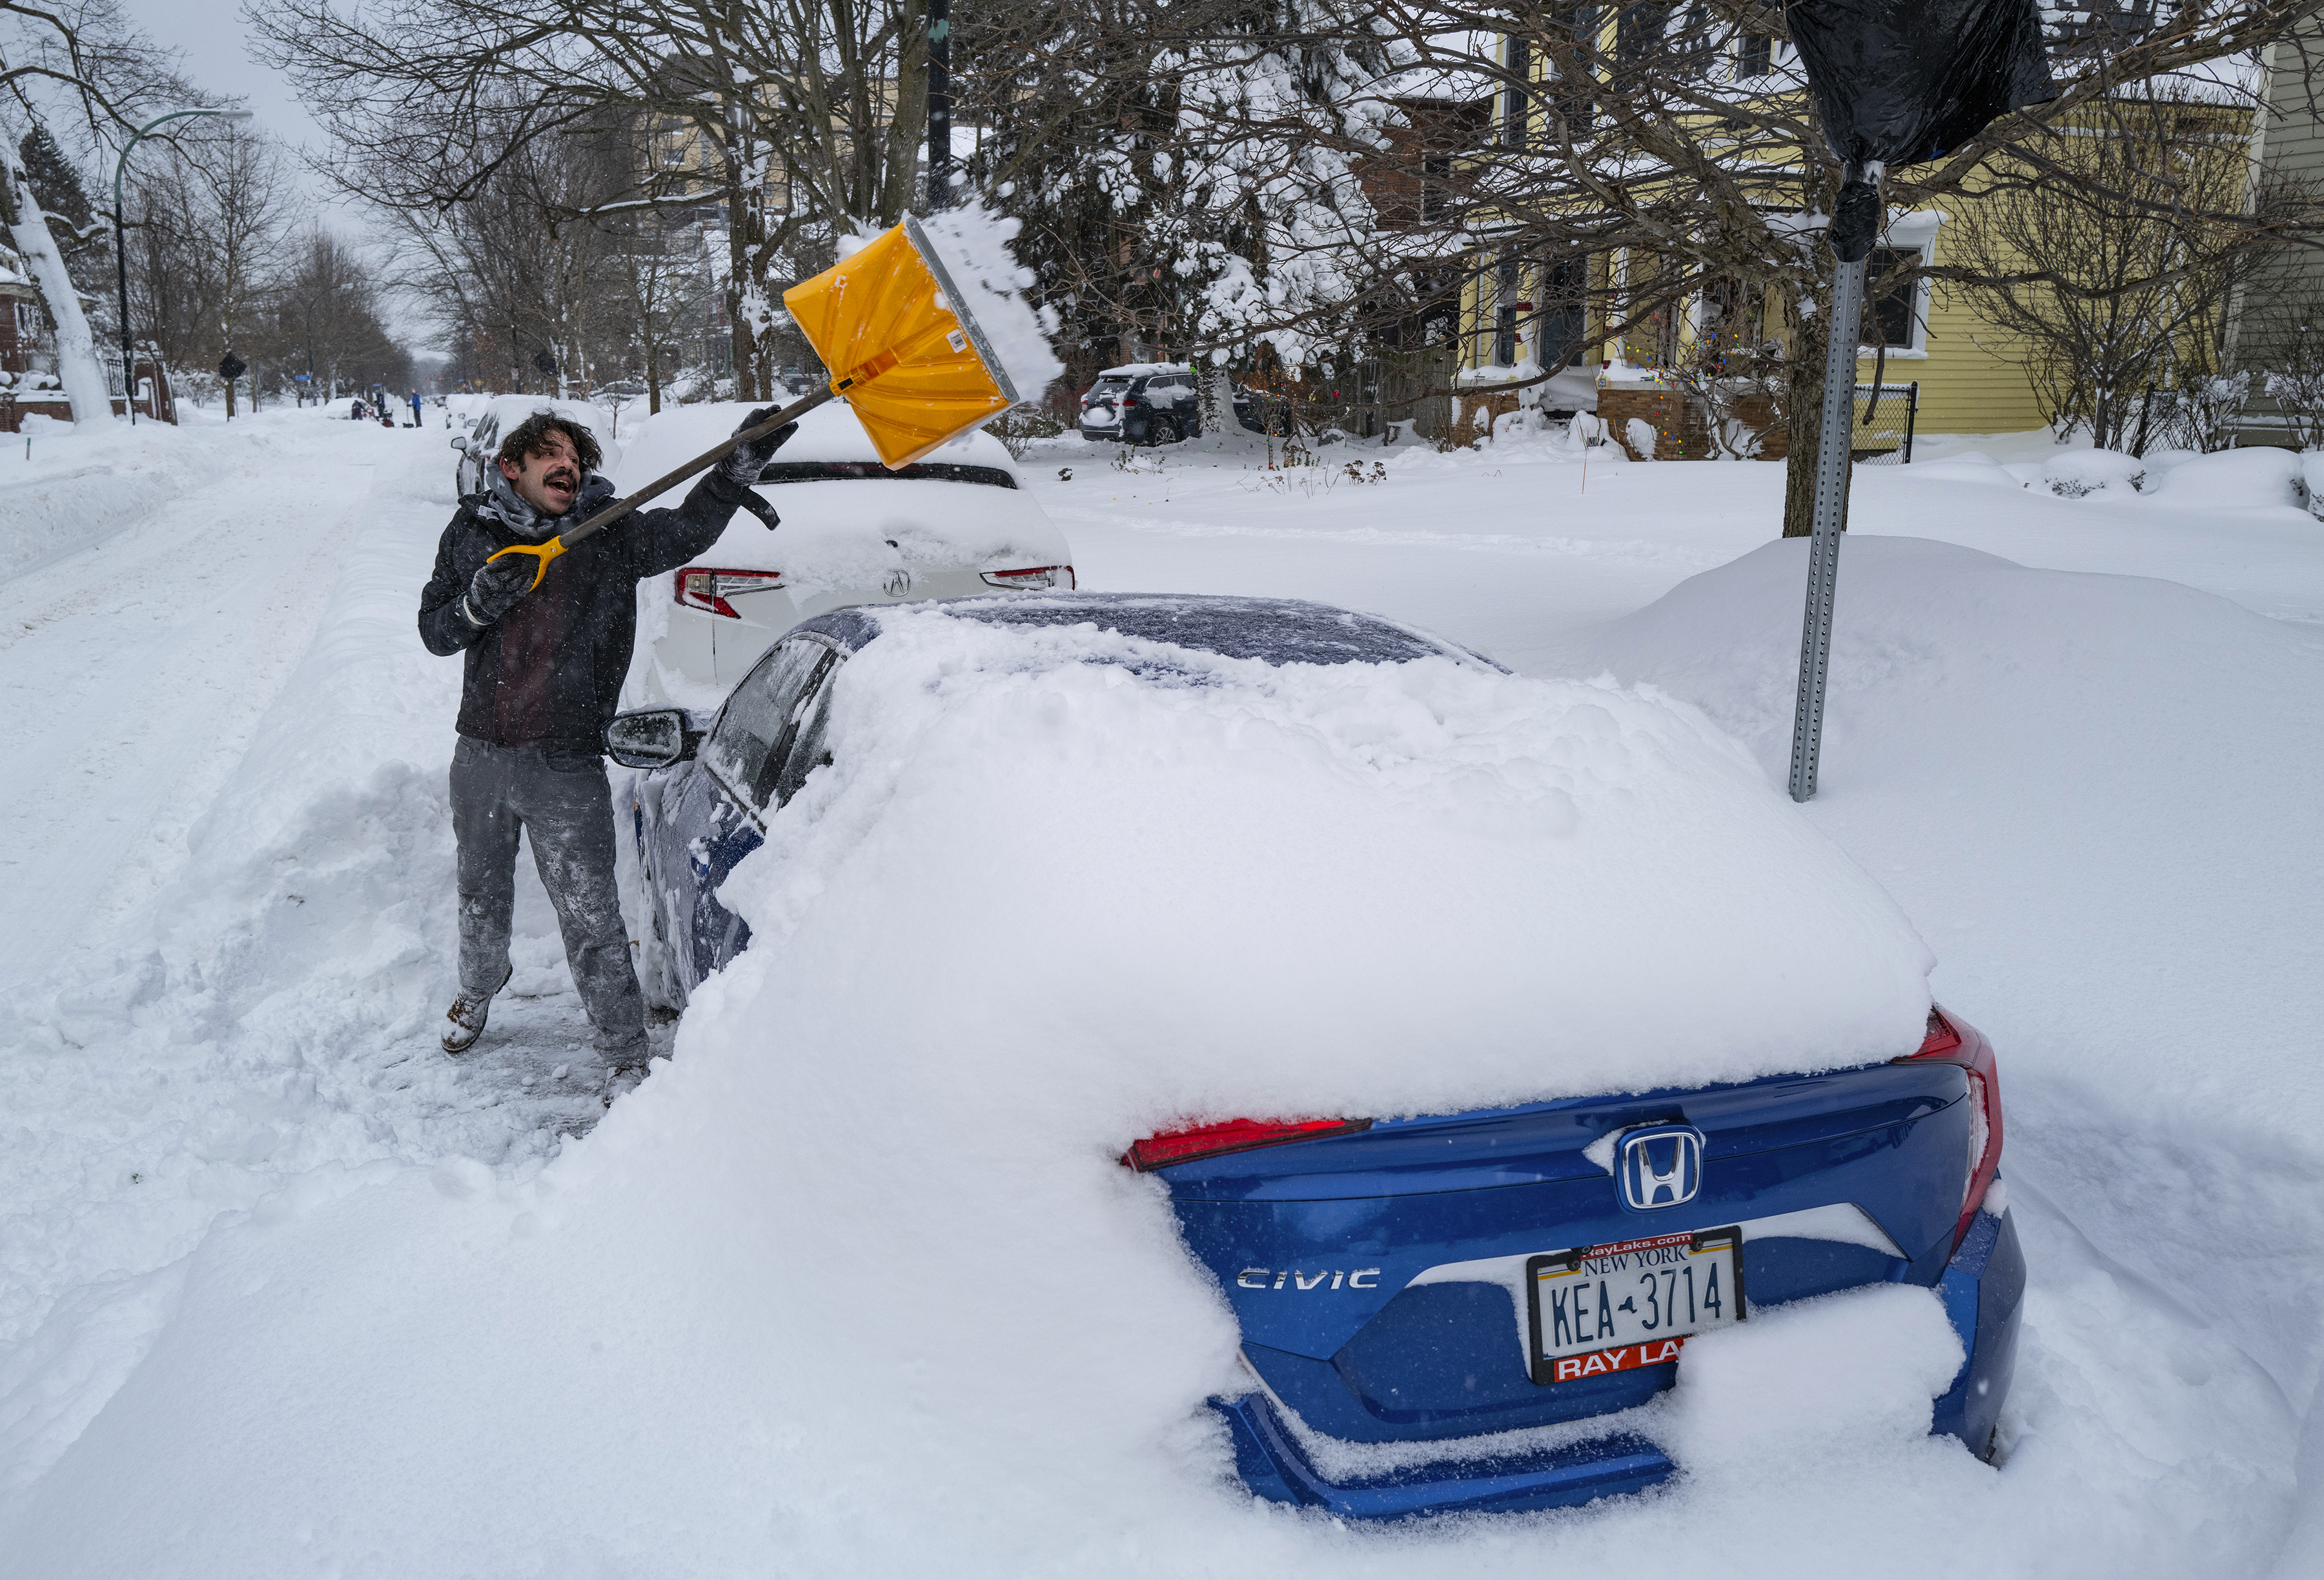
[(1901, 81)]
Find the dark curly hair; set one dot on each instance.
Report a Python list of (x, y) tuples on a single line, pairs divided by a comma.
[(531, 437)]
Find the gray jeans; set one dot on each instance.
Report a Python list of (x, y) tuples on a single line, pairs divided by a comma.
[(499, 791)]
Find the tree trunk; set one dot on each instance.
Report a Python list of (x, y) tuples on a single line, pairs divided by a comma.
[(82, 374), (1803, 407)]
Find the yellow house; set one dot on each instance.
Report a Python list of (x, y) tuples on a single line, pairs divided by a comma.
[(1966, 375)]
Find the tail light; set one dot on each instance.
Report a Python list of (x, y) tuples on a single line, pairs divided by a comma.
[(1131, 400), (1211, 1140), (1033, 579), (1945, 1044), (708, 590)]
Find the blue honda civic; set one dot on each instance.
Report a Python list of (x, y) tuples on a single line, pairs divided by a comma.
[(1416, 1281)]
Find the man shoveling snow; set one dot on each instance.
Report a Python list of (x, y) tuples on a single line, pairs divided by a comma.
[(545, 665)]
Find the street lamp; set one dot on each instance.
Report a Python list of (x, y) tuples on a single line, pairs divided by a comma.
[(121, 245)]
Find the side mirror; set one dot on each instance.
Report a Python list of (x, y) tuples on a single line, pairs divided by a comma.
[(651, 738)]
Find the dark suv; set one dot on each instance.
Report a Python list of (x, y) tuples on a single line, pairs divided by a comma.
[(1143, 403)]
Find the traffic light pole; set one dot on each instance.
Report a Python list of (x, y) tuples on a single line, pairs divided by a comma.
[(939, 105)]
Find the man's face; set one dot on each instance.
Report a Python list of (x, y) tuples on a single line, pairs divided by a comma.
[(547, 481)]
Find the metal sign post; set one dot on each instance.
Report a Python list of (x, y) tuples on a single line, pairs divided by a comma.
[(1831, 519)]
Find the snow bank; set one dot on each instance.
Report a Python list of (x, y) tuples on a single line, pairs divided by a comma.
[(80, 483), (2236, 480), (2096, 794)]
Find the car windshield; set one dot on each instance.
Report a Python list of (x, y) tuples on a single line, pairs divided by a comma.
[(827, 471)]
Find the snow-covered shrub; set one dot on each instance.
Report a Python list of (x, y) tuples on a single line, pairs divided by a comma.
[(2200, 415), (1640, 434), (2079, 473)]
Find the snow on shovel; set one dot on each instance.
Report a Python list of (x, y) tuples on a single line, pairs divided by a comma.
[(912, 361)]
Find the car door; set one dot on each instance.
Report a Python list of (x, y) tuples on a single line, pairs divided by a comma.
[(716, 815)]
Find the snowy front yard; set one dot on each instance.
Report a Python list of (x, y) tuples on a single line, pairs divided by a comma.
[(284, 1290)]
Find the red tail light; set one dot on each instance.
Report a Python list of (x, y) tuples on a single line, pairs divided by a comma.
[(708, 590), (1211, 1140), (1946, 1044), (1033, 578)]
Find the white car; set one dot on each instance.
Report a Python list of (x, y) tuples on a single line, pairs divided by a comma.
[(957, 523), (479, 423)]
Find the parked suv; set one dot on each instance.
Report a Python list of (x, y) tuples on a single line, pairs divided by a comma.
[(1143, 403)]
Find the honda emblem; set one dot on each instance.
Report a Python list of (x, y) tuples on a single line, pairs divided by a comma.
[(1660, 1166)]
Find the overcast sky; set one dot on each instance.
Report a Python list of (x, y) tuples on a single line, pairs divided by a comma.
[(215, 44)]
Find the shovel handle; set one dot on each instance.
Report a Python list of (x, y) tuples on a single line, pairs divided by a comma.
[(545, 552), (702, 462)]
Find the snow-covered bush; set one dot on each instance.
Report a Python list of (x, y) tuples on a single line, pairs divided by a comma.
[(2079, 473)]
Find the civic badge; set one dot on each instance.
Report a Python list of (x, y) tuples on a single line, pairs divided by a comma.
[(899, 582), (1659, 1166)]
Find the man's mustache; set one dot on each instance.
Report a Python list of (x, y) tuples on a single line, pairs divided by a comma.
[(561, 478)]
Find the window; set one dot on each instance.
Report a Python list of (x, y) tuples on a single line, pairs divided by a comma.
[(754, 735), (1435, 196), (1559, 330), (1755, 57), (1513, 98), (1573, 97), (1891, 314), (1505, 311), (807, 752), (1640, 33)]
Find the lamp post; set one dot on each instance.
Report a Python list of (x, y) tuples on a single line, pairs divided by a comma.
[(121, 245)]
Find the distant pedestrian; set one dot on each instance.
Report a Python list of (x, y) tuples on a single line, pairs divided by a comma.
[(415, 409)]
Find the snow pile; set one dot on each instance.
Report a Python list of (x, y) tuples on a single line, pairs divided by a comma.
[(2236, 480), (974, 242), (2096, 794), (74, 484)]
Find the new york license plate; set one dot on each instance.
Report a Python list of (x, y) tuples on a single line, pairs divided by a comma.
[(1603, 1308)]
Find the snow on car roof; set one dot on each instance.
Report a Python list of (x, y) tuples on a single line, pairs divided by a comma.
[(1133, 370), (656, 444), (1573, 887), (851, 531)]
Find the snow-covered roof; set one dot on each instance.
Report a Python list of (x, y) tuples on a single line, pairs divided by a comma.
[(1134, 369)]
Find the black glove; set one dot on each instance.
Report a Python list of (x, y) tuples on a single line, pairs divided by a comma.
[(743, 464), (498, 585)]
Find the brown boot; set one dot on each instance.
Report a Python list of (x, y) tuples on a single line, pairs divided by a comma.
[(468, 1016)]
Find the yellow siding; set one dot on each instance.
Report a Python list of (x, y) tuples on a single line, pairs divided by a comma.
[(1973, 380)]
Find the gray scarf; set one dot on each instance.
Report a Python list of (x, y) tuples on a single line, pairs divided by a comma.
[(512, 511)]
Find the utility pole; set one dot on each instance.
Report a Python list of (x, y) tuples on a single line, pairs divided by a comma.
[(939, 105), (516, 362), (121, 251)]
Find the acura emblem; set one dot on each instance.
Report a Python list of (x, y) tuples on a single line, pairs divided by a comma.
[(899, 582), (1660, 1166)]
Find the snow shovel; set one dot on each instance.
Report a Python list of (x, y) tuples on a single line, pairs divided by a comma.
[(915, 367)]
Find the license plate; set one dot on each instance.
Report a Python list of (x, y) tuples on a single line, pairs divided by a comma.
[(1604, 1309)]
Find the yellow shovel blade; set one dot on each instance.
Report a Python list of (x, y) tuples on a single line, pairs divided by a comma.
[(904, 353)]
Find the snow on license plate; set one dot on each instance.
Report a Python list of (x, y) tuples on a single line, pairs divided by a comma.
[(1613, 1308)]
